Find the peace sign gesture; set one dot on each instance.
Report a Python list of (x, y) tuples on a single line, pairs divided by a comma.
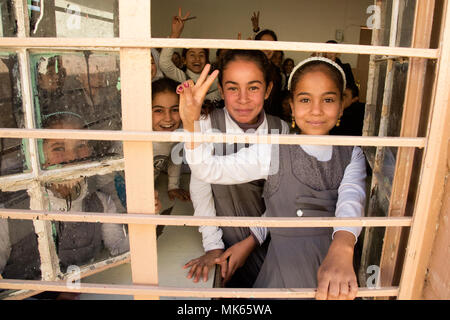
[(178, 23), (255, 21), (192, 97)]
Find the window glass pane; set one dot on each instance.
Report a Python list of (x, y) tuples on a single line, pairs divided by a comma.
[(7, 23), (81, 243), (74, 19), (77, 91), (11, 155), (19, 254), (300, 20)]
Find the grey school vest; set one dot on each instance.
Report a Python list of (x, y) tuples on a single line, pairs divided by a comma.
[(240, 200), (302, 187)]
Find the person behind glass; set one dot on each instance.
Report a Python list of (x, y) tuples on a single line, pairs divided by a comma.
[(273, 103), (301, 181), (244, 84), (194, 59), (352, 121), (77, 242)]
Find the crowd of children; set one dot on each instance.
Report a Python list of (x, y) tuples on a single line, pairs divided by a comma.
[(242, 91)]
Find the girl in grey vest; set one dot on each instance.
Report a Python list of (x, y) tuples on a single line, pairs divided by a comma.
[(302, 181), (244, 85)]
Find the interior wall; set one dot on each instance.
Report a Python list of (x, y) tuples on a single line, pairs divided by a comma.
[(292, 20)]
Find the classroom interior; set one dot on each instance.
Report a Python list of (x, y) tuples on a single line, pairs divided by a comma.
[(401, 89)]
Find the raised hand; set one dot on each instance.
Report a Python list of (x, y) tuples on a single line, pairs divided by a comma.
[(192, 97), (255, 21), (178, 23)]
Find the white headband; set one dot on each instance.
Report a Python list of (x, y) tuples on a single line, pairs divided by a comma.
[(334, 64)]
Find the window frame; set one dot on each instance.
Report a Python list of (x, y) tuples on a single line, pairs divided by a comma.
[(134, 44)]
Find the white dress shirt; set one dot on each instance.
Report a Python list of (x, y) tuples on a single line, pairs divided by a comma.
[(201, 192), (254, 163)]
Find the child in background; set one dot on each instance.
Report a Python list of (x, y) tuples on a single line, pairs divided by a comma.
[(305, 181), (166, 117), (194, 59), (352, 121)]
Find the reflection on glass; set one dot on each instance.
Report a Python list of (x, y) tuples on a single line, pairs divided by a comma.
[(11, 156), (80, 243), (74, 19), (7, 19), (81, 90), (19, 254)]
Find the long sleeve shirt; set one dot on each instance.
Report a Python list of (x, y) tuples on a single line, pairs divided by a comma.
[(201, 192), (162, 161), (173, 72), (255, 163)]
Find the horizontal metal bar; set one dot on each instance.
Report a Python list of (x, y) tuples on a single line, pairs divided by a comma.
[(182, 220), (108, 43), (139, 289), (120, 135)]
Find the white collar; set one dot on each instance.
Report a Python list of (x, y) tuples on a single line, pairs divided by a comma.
[(321, 153)]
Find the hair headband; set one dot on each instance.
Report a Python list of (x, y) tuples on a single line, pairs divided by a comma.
[(46, 116), (57, 113), (331, 62)]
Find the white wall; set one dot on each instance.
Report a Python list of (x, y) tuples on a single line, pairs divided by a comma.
[(292, 20)]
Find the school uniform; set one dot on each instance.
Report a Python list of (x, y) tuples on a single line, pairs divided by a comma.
[(302, 187), (232, 200), (317, 180)]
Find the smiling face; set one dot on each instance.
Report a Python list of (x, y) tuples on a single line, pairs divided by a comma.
[(195, 60), (58, 151), (165, 111), (244, 90), (316, 103)]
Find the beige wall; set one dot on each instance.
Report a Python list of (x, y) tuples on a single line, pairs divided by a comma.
[(292, 20)]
